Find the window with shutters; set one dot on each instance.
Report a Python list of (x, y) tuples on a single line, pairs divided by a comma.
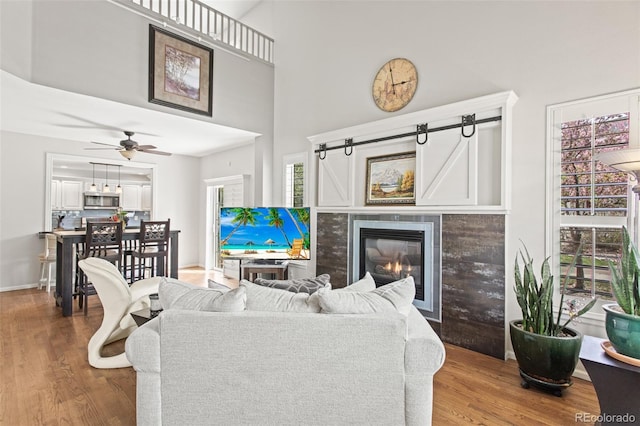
[(592, 200), (294, 180)]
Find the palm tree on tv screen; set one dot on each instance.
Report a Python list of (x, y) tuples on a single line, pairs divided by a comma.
[(297, 219), (275, 220), (243, 217)]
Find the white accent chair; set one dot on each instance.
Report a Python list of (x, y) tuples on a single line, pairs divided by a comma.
[(118, 301), (47, 260)]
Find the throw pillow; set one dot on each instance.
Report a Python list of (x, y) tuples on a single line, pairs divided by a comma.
[(176, 294), (218, 286), (366, 283), (260, 298), (395, 296), (297, 285)]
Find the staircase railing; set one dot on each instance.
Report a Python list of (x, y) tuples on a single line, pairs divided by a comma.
[(205, 24)]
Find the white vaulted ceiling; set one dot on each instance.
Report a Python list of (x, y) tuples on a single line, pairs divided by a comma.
[(45, 111)]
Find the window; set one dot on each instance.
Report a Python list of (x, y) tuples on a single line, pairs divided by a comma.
[(591, 201), (591, 189), (294, 181)]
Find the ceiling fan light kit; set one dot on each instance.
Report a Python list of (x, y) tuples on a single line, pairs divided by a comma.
[(128, 154)]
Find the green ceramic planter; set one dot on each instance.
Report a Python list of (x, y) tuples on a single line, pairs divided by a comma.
[(546, 360), (623, 331)]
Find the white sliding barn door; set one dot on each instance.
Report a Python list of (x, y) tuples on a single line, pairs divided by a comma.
[(447, 170), (335, 179)]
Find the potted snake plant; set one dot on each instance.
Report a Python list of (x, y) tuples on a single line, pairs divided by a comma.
[(622, 319), (546, 348)]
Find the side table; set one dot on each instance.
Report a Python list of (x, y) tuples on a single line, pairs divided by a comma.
[(617, 384), (142, 316)]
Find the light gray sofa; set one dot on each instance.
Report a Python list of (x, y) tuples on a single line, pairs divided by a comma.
[(272, 368)]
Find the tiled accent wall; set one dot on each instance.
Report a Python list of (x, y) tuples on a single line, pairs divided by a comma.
[(332, 253), (473, 275), (473, 282)]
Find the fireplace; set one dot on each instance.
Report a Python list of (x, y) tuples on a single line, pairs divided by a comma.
[(391, 250)]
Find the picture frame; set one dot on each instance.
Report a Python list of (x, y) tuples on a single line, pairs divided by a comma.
[(180, 72), (391, 179)]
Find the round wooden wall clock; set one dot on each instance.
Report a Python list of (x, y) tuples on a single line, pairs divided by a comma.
[(395, 84)]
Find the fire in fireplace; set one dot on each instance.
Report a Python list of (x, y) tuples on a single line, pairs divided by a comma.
[(393, 250)]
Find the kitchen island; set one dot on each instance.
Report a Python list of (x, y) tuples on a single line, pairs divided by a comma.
[(65, 260)]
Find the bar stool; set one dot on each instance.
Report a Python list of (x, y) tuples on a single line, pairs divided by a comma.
[(103, 240), (128, 262), (154, 245), (47, 260)]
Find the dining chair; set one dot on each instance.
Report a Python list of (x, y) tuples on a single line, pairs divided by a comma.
[(153, 246), (102, 240), (47, 260)]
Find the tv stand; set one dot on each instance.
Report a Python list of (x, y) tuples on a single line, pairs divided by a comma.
[(247, 270)]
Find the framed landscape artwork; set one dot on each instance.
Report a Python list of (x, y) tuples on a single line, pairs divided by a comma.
[(390, 179), (180, 72)]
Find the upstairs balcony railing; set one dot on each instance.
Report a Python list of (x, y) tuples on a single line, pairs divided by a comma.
[(205, 24)]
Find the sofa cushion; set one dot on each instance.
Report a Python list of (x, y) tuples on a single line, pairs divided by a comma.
[(267, 299), (297, 285), (396, 296), (176, 294)]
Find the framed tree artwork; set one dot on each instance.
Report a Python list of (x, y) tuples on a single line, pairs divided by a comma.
[(180, 72), (390, 179)]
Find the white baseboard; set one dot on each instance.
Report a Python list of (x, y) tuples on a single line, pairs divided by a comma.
[(22, 287)]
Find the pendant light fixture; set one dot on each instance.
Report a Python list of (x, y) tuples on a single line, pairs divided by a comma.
[(93, 187), (106, 185), (119, 188)]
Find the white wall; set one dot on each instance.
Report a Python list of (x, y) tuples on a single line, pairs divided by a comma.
[(99, 49), (239, 161), (327, 54), (22, 195)]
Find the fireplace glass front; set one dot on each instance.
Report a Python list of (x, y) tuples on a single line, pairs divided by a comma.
[(392, 250)]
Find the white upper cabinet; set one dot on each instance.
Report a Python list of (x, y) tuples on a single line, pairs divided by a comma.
[(56, 196), (131, 197), (71, 195), (145, 202)]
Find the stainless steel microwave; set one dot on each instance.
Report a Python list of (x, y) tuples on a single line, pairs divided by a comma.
[(95, 200)]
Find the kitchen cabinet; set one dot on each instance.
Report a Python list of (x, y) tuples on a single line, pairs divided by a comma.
[(131, 198), (145, 202), (56, 198), (66, 194)]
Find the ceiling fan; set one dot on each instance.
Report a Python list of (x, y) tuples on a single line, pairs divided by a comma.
[(129, 147)]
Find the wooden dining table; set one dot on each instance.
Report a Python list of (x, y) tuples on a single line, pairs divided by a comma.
[(65, 260)]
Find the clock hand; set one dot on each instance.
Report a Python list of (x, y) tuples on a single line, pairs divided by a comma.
[(402, 82), (393, 86)]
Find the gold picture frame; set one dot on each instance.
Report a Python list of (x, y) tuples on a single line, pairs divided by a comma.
[(391, 179), (180, 72)]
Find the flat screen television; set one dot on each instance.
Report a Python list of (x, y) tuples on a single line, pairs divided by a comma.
[(266, 233)]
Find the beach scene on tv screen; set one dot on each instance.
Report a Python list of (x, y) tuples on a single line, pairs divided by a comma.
[(278, 233)]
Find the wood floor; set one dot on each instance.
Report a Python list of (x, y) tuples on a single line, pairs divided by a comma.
[(45, 378)]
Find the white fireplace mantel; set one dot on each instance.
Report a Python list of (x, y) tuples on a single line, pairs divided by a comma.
[(453, 172)]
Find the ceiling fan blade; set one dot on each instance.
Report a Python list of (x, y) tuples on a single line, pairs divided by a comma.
[(90, 124), (101, 149), (144, 147), (106, 144), (151, 151)]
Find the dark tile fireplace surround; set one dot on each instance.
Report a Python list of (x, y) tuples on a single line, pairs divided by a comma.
[(472, 275)]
